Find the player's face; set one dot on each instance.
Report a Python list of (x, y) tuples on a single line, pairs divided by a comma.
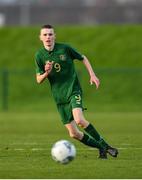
[(47, 36)]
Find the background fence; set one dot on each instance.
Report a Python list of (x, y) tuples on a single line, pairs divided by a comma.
[(32, 12), (119, 91)]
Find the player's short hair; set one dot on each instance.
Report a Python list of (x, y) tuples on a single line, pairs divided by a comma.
[(48, 26)]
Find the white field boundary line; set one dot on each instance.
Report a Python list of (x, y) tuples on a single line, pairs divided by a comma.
[(36, 143), (47, 149)]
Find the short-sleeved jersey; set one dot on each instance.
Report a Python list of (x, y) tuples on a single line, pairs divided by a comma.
[(63, 78)]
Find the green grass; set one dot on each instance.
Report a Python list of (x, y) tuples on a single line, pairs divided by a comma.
[(26, 140)]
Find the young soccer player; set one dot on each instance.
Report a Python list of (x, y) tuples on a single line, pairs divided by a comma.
[(54, 61)]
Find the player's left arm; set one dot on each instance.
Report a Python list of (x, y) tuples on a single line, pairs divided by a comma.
[(93, 78)]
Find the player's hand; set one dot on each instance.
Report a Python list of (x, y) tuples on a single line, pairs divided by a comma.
[(94, 80), (48, 66)]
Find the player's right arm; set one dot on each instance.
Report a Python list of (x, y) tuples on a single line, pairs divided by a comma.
[(41, 77)]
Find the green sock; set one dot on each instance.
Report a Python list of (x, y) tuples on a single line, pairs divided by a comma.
[(89, 141), (90, 129)]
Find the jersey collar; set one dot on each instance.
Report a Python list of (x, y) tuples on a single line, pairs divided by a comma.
[(49, 52)]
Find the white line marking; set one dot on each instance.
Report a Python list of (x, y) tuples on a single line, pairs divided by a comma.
[(27, 143), (18, 149), (47, 149), (37, 143)]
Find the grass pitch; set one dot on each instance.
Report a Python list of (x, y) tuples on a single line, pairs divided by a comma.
[(26, 140)]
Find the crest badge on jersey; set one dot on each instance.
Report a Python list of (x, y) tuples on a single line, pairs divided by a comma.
[(62, 57)]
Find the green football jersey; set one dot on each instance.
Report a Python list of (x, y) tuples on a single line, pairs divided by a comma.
[(63, 78)]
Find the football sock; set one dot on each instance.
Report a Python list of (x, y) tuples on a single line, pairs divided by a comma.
[(90, 129), (89, 141)]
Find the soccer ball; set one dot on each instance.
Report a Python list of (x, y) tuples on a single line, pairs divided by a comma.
[(63, 151)]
